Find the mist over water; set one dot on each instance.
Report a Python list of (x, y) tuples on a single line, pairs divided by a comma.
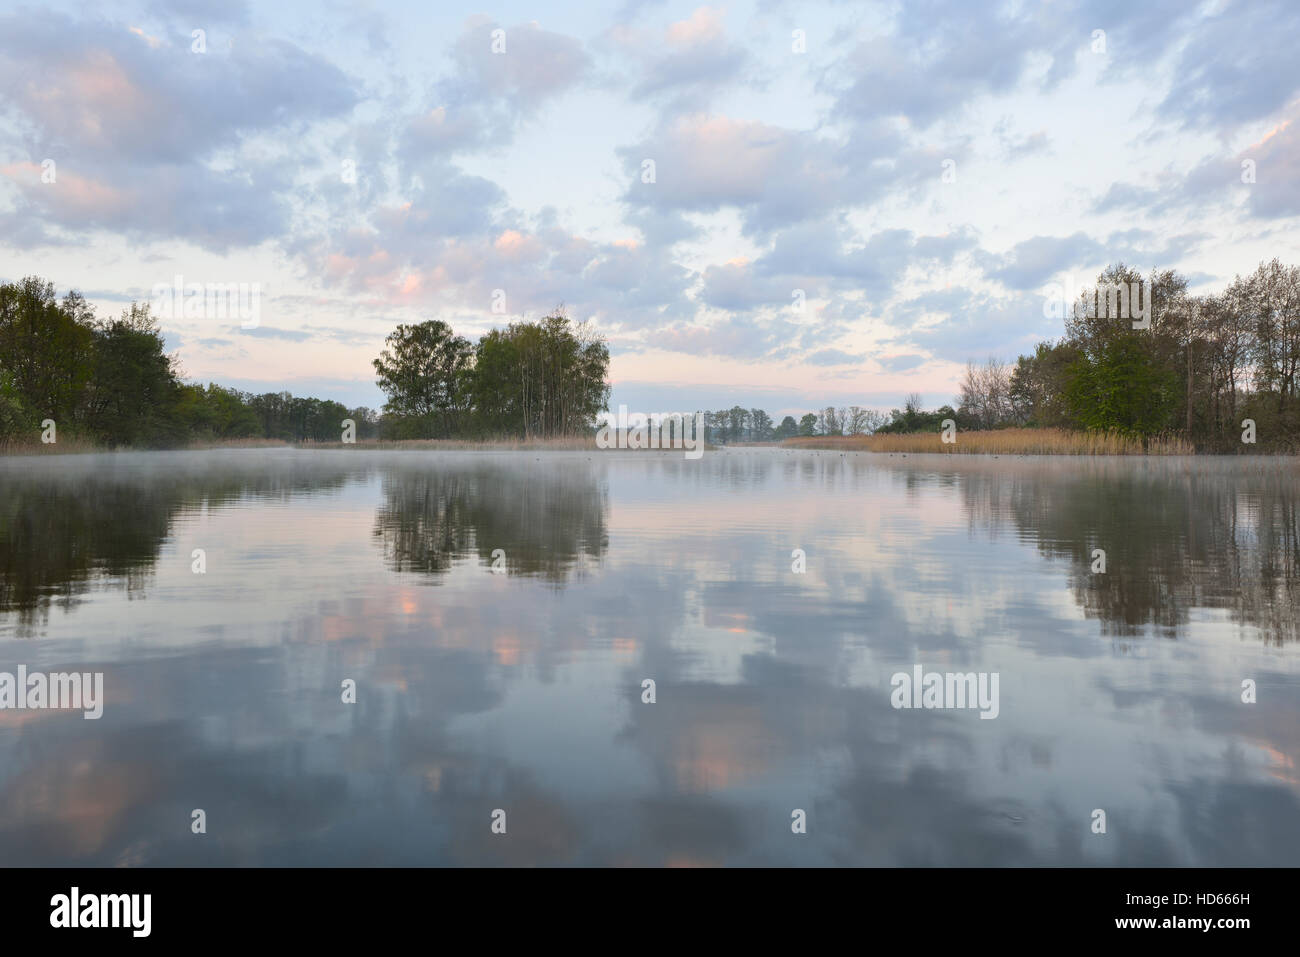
[(520, 687)]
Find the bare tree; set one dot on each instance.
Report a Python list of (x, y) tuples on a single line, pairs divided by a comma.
[(855, 422), (986, 393)]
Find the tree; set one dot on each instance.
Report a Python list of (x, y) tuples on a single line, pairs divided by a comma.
[(737, 423), (46, 349), (808, 424), (15, 418), (873, 421), (829, 421), (367, 421), (985, 398), (912, 418), (215, 412), (539, 378), (1037, 387), (855, 421), (1122, 388), (1272, 297), (1228, 329), (131, 394), (718, 425), (424, 371), (788, 428)]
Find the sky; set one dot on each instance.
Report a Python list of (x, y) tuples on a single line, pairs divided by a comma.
[(777, 205)]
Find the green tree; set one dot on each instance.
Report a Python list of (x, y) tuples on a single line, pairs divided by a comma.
[(46, 349), (737, 423), (424, 372), (1123, 388), (544, 378), (1037, 391), (16, 419), (131, 396)]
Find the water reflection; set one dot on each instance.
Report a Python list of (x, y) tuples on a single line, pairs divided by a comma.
[(544, 522), (70, 522), (523, 691), (1178, 536)]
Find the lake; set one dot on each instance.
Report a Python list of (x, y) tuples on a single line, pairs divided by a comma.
[(494, 618)]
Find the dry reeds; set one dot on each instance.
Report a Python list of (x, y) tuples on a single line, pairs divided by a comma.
[(1002, 442), (66, 445), (200, 445)]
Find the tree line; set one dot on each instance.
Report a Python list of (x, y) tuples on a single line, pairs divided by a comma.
[(739, 424), (1198, 367), (111, 382)]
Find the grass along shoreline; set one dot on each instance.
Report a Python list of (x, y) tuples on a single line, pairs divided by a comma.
[(75, 445), (1002, 442), (991, 442)]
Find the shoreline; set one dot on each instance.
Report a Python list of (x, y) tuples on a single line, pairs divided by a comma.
[(1030, 442), (902, 446)]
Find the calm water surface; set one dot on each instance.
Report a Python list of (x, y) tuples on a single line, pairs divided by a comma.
[(522, 689)]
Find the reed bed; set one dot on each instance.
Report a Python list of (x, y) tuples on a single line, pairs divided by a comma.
[(202, 445), (1002, 442), (66, 445)]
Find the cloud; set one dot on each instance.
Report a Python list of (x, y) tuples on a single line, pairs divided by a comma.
[(215, 209), (1031, 263), (1237, 65), (691, 56), (733, 337), (939, 57), (111, 96), (1221, 181), (532, 260), (1276, 191), (833, 357), (961, 324), (832, 257), (500, 77), (532, 66), (201, 12), (141, 130), (1030, 145), (774, 176), (901, 363), (734, 285), (267, 332)]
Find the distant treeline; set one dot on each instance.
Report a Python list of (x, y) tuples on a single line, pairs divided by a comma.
[(112, 383), (754, 425)]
